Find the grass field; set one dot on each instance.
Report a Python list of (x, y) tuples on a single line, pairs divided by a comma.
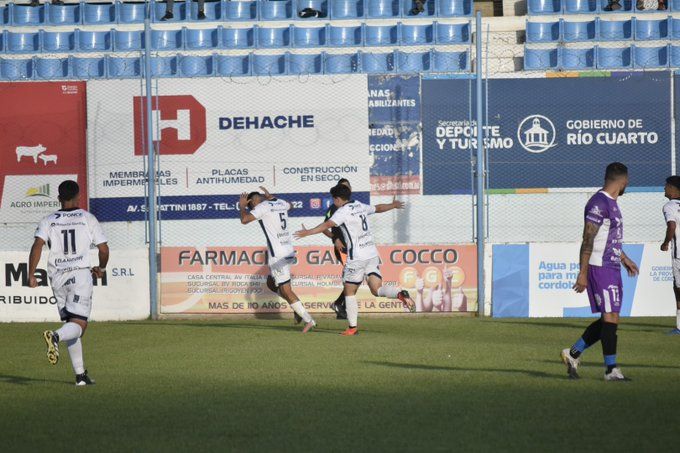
[(418, 384)]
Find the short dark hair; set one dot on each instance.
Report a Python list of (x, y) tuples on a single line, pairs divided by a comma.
[(68, 190), (341, 192), (343, 181), (673, 181), (251, 195), (615, 170)]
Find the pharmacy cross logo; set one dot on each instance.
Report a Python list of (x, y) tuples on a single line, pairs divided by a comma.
[(536, 134)]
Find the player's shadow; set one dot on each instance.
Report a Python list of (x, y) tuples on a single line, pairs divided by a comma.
[(23, 380), (542, 324), (623, 364), (231, 325), (413, 366)]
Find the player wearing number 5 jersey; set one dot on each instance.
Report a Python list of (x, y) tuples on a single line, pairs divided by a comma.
[(69, 233), (363, 261), (272, 215)]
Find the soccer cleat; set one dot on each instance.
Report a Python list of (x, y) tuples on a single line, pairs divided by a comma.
[(52, 341), (571, 363), (297, 318), (309, 326), (201, 14), (168, 16), (613, 6), (615, 375), (83, 379), (640, 4), (340, 310), (405, 298), (350, 332), (674, 332), (306, 13)]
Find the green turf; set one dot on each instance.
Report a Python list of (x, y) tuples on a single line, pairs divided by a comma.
[(418, 384)]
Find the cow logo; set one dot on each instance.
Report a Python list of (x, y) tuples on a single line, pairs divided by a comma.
[(40, 191), (536, 134), (180, 122)]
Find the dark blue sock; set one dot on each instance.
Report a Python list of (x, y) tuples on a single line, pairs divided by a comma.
[(610, 362), (578, 348)]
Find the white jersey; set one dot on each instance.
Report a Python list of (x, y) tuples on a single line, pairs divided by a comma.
[(671, 212), (69, 234), (273, 218), (352, 219)]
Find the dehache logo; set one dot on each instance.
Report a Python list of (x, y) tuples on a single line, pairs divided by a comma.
[(536, 134), (40, 191)]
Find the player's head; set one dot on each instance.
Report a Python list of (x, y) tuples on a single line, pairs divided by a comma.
[(341, 194), (616, 176), (254, 198), (69, 192), (672, 189), (345, 182)]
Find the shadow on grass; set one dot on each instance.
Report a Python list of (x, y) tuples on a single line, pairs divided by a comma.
[(413, 366), (542, 324), (623, 364), (23, 380), (297, 328)]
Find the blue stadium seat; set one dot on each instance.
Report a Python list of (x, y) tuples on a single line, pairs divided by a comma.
[(179, 11), (27, 15), (272, 37), (276, 9), (127, 40), (93, 41), (88, 67), (66, 14), (211, 8), (51, 68), (575, 31), (341, 63), (544, 7), (540, 59), (339, 36), (380, 35), (166, 39), (650, 57), (195, 66), (614, 57), (650, 29), (201, 38), (416, 34), (233, 65), (16, 69), (675, 56), (383, 8), (430, 8), (675, 28), (22, 42), (626, 6), (238, 38), (2, 41), (413, 62), (580, 6), (450, 61), (268, 65), (301, 64), (542, 31), (164, 66), (4, 14), (615, 30), (99, 13), (319, 5), (452, 33), (246, 10), (674, 5), (131, 12), (58, 41), (377, 62), (455, 8), (123, 68), (347, 9), (578, 59), (309, 36)]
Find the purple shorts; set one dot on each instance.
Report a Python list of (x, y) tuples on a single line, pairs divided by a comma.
[(605, 289)]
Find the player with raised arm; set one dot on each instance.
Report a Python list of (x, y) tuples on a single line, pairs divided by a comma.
[(363, 261), (671, 213), (272, 215), (340, 249), (601, 257), (69, 233)]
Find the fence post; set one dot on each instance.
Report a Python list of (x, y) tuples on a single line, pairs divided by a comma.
[(480, 169)]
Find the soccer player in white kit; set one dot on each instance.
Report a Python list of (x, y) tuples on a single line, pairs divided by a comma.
[(363, 260), (272, 215), (69, 233), (671, 213)]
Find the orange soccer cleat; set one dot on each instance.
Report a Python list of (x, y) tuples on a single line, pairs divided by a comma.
[(351, 331)]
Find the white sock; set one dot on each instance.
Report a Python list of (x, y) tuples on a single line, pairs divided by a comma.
[(677, 321), (352, 308), (388, 291), (300, 310), (69, 331), (75, 351)]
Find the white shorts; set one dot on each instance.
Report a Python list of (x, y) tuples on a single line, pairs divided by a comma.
[(280, 270), (73, 291), (676, 272), (356, 271)]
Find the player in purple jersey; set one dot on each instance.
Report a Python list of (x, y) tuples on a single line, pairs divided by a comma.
[(601, 258)]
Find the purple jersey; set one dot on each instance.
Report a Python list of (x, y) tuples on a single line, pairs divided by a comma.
[(602, 210)]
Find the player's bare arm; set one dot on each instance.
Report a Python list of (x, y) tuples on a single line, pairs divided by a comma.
[(246, 217), (33, 259), (316, 230), (103, 252), (396, 204), (629, 264), (589, 232), (670, 232), (266, 193)]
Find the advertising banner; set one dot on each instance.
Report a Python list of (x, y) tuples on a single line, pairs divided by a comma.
[(535, 280), (295, 137), (553, 133), (440, 278), (123, 293), (42, 143)]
